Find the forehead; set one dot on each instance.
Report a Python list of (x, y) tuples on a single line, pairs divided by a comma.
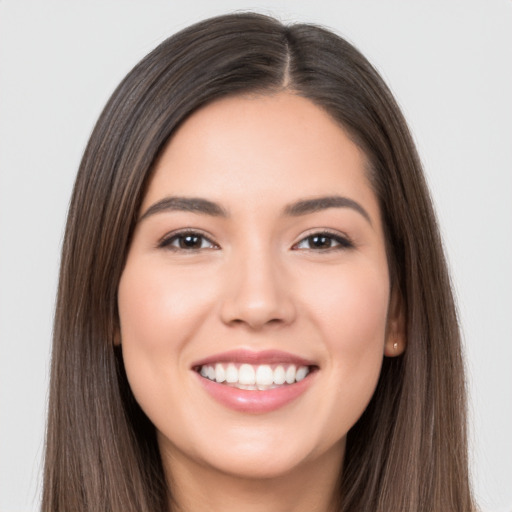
[(260, 149)]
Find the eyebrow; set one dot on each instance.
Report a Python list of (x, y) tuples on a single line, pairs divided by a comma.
[(297, 209), (306, 206), (186, 204)]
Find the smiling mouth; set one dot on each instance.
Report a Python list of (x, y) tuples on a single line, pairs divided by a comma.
[(253, 377)]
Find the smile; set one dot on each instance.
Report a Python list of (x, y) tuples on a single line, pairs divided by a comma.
[(255, 382), (254, 377)]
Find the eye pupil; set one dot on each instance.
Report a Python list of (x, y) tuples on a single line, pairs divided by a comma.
[(320, 241), (190, 242)]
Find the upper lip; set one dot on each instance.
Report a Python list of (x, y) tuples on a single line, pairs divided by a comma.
[(254, 358)]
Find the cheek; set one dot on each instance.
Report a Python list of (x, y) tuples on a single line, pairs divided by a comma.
[(352, 316), (350, 306), (159, 313), (159, 307)]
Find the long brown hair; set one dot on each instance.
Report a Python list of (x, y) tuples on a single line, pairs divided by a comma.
[(408, 451)]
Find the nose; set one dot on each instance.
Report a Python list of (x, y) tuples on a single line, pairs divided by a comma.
[(258, 293)]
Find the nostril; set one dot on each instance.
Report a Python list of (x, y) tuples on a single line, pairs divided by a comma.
[(256, 297)]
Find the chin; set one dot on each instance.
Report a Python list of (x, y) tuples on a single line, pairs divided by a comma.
[(260, 466), (259, 459)]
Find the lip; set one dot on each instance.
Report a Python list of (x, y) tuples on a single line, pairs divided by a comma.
[(252, 401), (255, 358), (243, 400)]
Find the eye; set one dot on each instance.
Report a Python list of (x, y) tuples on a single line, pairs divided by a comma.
[(187, 241), (324, 241)]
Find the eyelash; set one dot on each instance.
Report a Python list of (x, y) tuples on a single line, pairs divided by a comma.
[(342, 241), (166, 242)]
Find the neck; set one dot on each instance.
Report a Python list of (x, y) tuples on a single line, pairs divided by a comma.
[(312, 487)]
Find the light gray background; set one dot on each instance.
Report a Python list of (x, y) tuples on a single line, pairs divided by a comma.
[(447, 61)]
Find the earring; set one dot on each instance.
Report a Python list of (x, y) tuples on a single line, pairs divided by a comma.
[(395, 345)]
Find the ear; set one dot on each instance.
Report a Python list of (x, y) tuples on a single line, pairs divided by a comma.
[(395, 336)]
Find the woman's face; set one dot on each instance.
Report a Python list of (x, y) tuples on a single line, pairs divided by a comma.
[(255, 303)]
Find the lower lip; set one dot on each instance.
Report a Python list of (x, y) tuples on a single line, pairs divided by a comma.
[(252, 401)]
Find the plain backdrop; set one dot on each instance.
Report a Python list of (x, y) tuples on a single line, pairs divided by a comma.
[(448, 63)]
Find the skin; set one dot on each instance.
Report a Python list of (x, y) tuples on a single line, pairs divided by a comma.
[(257, 283)]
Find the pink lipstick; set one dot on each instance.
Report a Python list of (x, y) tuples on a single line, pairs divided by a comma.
[(255, 382)]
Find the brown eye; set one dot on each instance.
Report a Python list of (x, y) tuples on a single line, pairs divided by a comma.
[(320, 241), (189, 241), (323, 242)]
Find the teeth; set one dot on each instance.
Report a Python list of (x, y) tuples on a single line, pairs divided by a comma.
[(231, 373), (247, 376), (279, 375), (220, 374), (301, 373), (264, 375), (290, 374)]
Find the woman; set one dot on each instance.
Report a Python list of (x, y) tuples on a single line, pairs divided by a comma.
[(254, 309)]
